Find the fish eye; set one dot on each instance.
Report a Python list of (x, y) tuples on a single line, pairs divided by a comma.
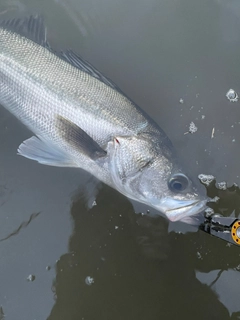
[(178, 182)]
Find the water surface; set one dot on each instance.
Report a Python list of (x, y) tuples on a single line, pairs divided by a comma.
[(158, 52)]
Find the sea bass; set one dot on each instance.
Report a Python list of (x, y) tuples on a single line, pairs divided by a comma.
[(81, 119)]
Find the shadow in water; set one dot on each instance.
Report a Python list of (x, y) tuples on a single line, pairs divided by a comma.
[(140, 271)]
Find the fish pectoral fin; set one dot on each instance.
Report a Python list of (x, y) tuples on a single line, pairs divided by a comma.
[(44, 152), (79, 139)]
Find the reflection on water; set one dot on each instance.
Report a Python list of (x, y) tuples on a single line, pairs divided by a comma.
[(158, 52), (126, 284)]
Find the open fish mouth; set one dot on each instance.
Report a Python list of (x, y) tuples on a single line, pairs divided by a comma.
[(187, 212)]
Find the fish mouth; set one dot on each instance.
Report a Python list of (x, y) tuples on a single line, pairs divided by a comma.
[(188, 211)]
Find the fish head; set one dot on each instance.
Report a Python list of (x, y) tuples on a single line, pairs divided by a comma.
[(147, 171)]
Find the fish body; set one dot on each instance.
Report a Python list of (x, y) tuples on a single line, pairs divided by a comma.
[(81, 119)]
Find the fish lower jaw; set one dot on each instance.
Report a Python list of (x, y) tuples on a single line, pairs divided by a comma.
[(185, 213)]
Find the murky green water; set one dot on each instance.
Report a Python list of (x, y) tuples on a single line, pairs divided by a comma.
[(158, 52)]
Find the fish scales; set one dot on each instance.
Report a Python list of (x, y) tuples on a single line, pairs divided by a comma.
[(63, 84)]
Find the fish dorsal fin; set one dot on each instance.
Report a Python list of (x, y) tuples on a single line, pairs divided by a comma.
[(31, 27), (78, 62)]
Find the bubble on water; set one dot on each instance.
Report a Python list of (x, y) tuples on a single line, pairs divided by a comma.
[(237, 268), (232, 95), (206, 179), (222, 185), (116, 227), (199, 255), (215, 199), (89, 280), (203, 116), (209, 212), (212, 134), (181, 101), (192, 127), (31, 277)]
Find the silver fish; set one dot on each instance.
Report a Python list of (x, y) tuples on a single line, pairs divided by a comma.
[(81, 119)]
